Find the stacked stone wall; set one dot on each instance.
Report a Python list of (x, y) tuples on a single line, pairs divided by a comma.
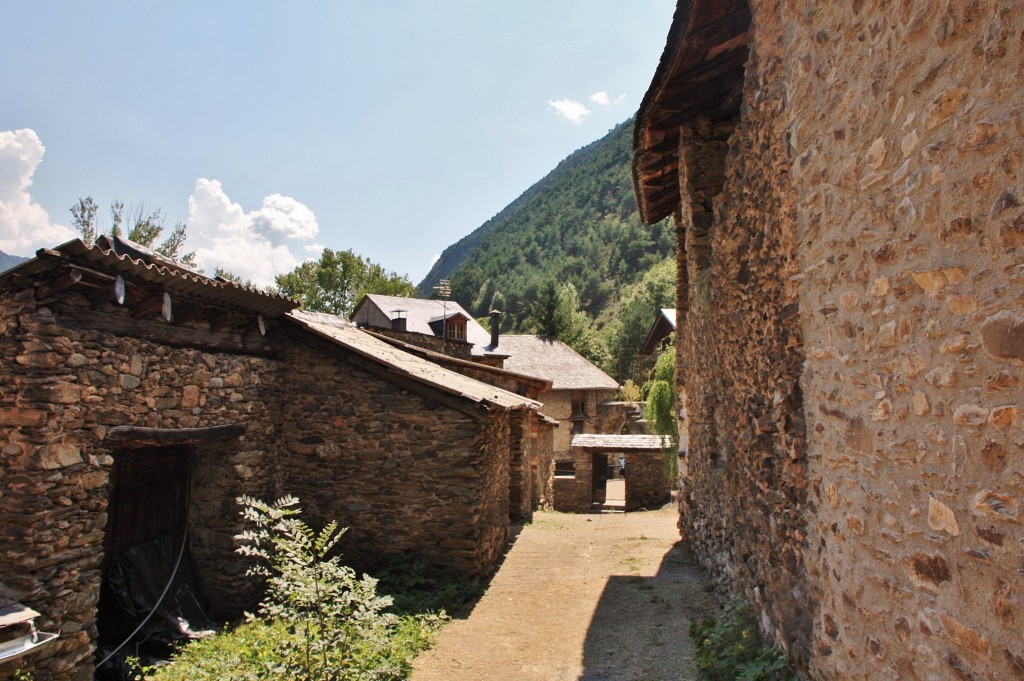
[(647, 482), (907, 132), (61, 391), (743, 494), (407, 474), (865, 294), (520, 489)]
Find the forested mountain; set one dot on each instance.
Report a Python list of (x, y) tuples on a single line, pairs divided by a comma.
[(577, 225), (7, 261)]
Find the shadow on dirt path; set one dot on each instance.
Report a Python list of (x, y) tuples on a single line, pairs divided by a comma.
[(581, 598)]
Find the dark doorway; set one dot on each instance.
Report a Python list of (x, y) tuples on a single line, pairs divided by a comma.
[(148, 600), (148, 497), (599, 463)]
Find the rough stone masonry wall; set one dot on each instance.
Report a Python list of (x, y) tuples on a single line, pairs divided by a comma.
[(61, 390), (647, 483), (906, 122), (405, 473), (743, 496)]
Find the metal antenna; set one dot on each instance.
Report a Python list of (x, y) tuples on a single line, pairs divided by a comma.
[(444, 290)]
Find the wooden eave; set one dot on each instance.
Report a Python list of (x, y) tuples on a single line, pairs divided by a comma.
[(700, 74), (98, 263)]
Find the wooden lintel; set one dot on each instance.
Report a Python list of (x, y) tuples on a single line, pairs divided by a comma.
[(167, 334), (136, 436), (61, 283)]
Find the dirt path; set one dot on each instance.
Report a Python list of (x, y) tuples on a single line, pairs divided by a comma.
[(580, 598)]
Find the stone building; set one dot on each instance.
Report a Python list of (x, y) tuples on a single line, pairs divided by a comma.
[(138, 399), (571, 389), (578, 389), (846, 184), (441, 325)]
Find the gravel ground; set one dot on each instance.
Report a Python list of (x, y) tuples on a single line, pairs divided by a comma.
[(583, 598)]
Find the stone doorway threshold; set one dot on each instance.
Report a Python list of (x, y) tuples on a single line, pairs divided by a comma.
[(581, 597)]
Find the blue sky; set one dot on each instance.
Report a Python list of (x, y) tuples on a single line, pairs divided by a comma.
[(392, 128)]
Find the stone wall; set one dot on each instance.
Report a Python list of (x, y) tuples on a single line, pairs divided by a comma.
[(520, 490), (558, 405), (453, 348), (907, 138), (850, 351), (743, 497), (405, 472), (62, 390), (542, 463), (647, 481)]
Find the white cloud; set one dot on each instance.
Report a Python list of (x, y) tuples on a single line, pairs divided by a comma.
[(24, 225), (433, 261), (602, 99), (570, 110), (255, 246)]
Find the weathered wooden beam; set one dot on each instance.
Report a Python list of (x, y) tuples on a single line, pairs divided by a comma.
[(61, 283), (137, 436), (167, 334), (148, 306)]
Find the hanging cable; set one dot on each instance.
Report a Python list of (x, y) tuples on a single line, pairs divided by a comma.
[(167, 587)]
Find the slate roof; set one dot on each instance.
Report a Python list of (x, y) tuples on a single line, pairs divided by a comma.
[(420, 312), (343, 332), (553, 360), (664, 324), (138, 264), (650, 443), (700, 73)]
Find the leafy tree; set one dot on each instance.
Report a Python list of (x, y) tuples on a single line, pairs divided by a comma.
[(144, 226), (556, 312), (318, 622), (339, 280), (549, 312), (626, 334), (660, 407)]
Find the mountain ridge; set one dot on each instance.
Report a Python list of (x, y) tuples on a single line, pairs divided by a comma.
[(578, 224)]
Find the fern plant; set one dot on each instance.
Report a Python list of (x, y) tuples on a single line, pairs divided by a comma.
[(310, 590)]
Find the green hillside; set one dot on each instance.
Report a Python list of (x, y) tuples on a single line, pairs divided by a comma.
[(8, 261), (578, 224)]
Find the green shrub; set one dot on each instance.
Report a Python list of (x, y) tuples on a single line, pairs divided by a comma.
[(318, 619), (630, 392), (418, 588), (729, 648)]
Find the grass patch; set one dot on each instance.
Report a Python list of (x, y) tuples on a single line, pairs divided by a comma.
[(418, 588), (730, 649)]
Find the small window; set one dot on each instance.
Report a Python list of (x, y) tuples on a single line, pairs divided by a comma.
[(565, 469), (456, 329), (577, 427)]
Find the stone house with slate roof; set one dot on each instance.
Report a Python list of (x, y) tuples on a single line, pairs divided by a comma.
[(846, 182), (441, 325), (138, 399), (578, 389)]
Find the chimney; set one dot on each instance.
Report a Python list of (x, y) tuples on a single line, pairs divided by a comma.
[(495, 323), (399, 320)]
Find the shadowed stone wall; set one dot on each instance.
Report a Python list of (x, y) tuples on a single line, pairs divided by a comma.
[(61, 391), (407, 474), (851, 352)]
